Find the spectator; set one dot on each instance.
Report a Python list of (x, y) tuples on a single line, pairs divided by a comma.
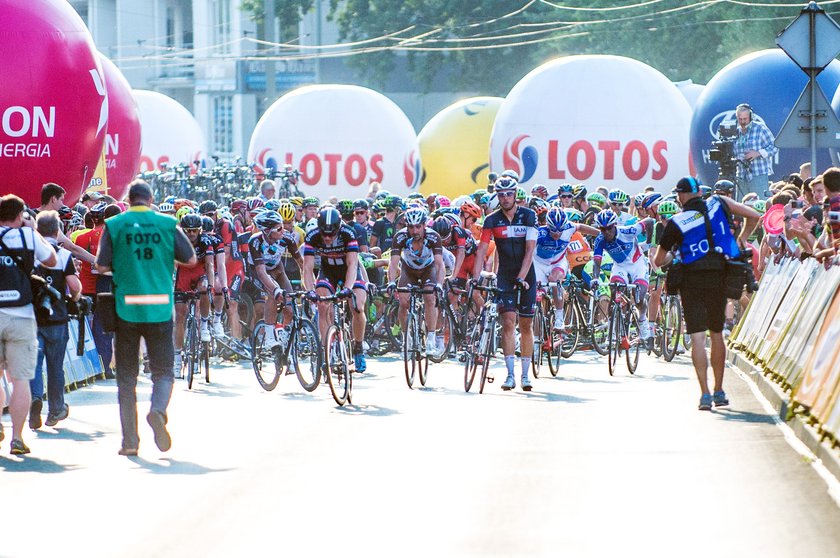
[(805, 171), (22, 246), (831, 180), (818, 189), (89, 199), (267, 190), (143, 292), (52, 329), (754, 148)]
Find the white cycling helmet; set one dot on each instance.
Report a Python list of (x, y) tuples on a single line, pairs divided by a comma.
[(416, 216)]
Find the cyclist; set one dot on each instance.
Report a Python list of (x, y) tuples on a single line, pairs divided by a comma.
[(266, 249), (596, 202), (336, 243), (539, 191), (228, 231), (514, 230), (193, 278), (417, 257), (208, 226), (361, 212), (618, 204), (288, 213), (347, 210), (664, 211), (550, 262), (630, 264), (310, 208), (566, 195), (383, 229)]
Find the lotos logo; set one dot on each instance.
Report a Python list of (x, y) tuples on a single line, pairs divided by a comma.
[(353, 169), (411, 170), (523, 161)]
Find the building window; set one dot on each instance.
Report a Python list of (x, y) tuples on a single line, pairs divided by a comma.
[(223, 125), (220, 22)]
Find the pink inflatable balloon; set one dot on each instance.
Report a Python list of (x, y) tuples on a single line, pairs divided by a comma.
[(53, 104), (122, 143)]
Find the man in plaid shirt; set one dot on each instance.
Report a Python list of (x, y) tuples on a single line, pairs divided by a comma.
[(755, 149)]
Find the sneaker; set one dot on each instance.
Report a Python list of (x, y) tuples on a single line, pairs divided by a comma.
[(19, 448), (440, 347), (204, 333), (35, 413), (719, 399), (431, 344), (157, 421), (705, 402), (109, 374), (360, 362), (218, 329), (526, 384), (53, 419), (509, 384)]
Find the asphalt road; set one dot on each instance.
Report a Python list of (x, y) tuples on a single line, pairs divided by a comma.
[(585, 465)]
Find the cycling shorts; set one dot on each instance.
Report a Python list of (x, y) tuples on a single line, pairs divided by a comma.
[(419, 277), (544, 269), (333, 278), (506, 300), (630, 272)]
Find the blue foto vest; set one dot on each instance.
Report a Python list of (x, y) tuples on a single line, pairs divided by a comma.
[(695, 245)]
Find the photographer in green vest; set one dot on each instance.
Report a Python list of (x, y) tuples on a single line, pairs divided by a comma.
[(141, 248)]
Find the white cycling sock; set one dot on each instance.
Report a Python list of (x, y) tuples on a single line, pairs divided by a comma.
[(510, 362), (526, 365)]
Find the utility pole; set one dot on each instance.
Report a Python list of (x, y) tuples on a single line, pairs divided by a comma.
[(270, 69)]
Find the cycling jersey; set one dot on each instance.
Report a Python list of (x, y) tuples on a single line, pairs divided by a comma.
[(332, 254), (383, 230), (551, 250), (623, 248), (579, 253), (261, 250), (422, 257), (510, 237), (460, 238)]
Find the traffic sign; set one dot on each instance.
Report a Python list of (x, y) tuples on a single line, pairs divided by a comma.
[(796, 131), (798, 38)]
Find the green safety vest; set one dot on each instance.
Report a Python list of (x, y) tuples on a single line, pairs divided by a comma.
[(143, 264)]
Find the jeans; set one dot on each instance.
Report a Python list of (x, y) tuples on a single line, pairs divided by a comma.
[(102, 340), (159, 341), (52, 343), (758, 184)]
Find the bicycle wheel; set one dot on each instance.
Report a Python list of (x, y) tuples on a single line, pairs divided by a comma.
[(671, 327), (192, 352), (571, 322), (410, 348), (205, 360), (658, 328), (553, 340), (446, 328), (392, 324), (614, 339), (262, 360), (473, 359), (306, 355), (539, 335), (600, 329), (337, 363), (634, 339), (487, 351)]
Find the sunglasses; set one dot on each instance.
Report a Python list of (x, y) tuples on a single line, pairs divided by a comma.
[(567, 196), (198, 230), (362, 212), (328, 235), (506, 194)]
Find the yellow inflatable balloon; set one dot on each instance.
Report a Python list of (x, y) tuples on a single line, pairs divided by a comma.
[(455, 147)]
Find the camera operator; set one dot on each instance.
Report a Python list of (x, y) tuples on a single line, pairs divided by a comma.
[(702, 235), (53, 333), (20, 247), (754, 149)]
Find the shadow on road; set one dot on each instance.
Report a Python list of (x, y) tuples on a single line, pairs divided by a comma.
[(169, 466), (743, 416), (367, 410), (551, 397), (67, 434), (30, 464)]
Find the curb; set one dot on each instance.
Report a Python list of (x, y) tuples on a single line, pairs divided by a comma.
[(780, 400)]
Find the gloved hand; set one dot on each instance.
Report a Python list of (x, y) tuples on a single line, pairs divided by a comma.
[(391, 286), (312, 295), (344, 293), (594, 284)]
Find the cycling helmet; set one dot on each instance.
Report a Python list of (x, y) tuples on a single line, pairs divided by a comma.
[(504, 184), (575, 215), (97, 211), (476, 196), (361, 204), (416, 216), (296, 201), (238, 206), (329, 220), (617, 195), (539, 205), (345, 207), (287, 211), (311, 201), (382, 194), (272, 205), (255, 205), (181, 202), (191, 221), (760, 206), (493, 201), (166, 207), (393, 202), (311, 225), (556, 219), (65, 213), (443, 201), (539, 190), (565, 189), (170, 199), (507, 173), (579, 191), (443, 226), (651, 199), (207, 224), (378, 207), (485, 199), (705, 191), (638, 199), (184, 211), (667, 208), (724, 186), (521, 194), (471, 210), (207, 206), (597, 199), (606, 218), (77, 221), (417, 196), (453, 218), (268, 220)]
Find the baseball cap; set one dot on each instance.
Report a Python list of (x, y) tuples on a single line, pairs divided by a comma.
[(687, 185), (92, 196)]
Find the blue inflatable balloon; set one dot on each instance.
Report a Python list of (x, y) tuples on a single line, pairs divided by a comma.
[(770, 83), (835, 104)]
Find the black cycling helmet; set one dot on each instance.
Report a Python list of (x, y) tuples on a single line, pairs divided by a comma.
[(97, 211), (191, 221), (724, 186), (207, 206), (268, 220), (207, 224), (361, 204), (329, 220), (442, 226)]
